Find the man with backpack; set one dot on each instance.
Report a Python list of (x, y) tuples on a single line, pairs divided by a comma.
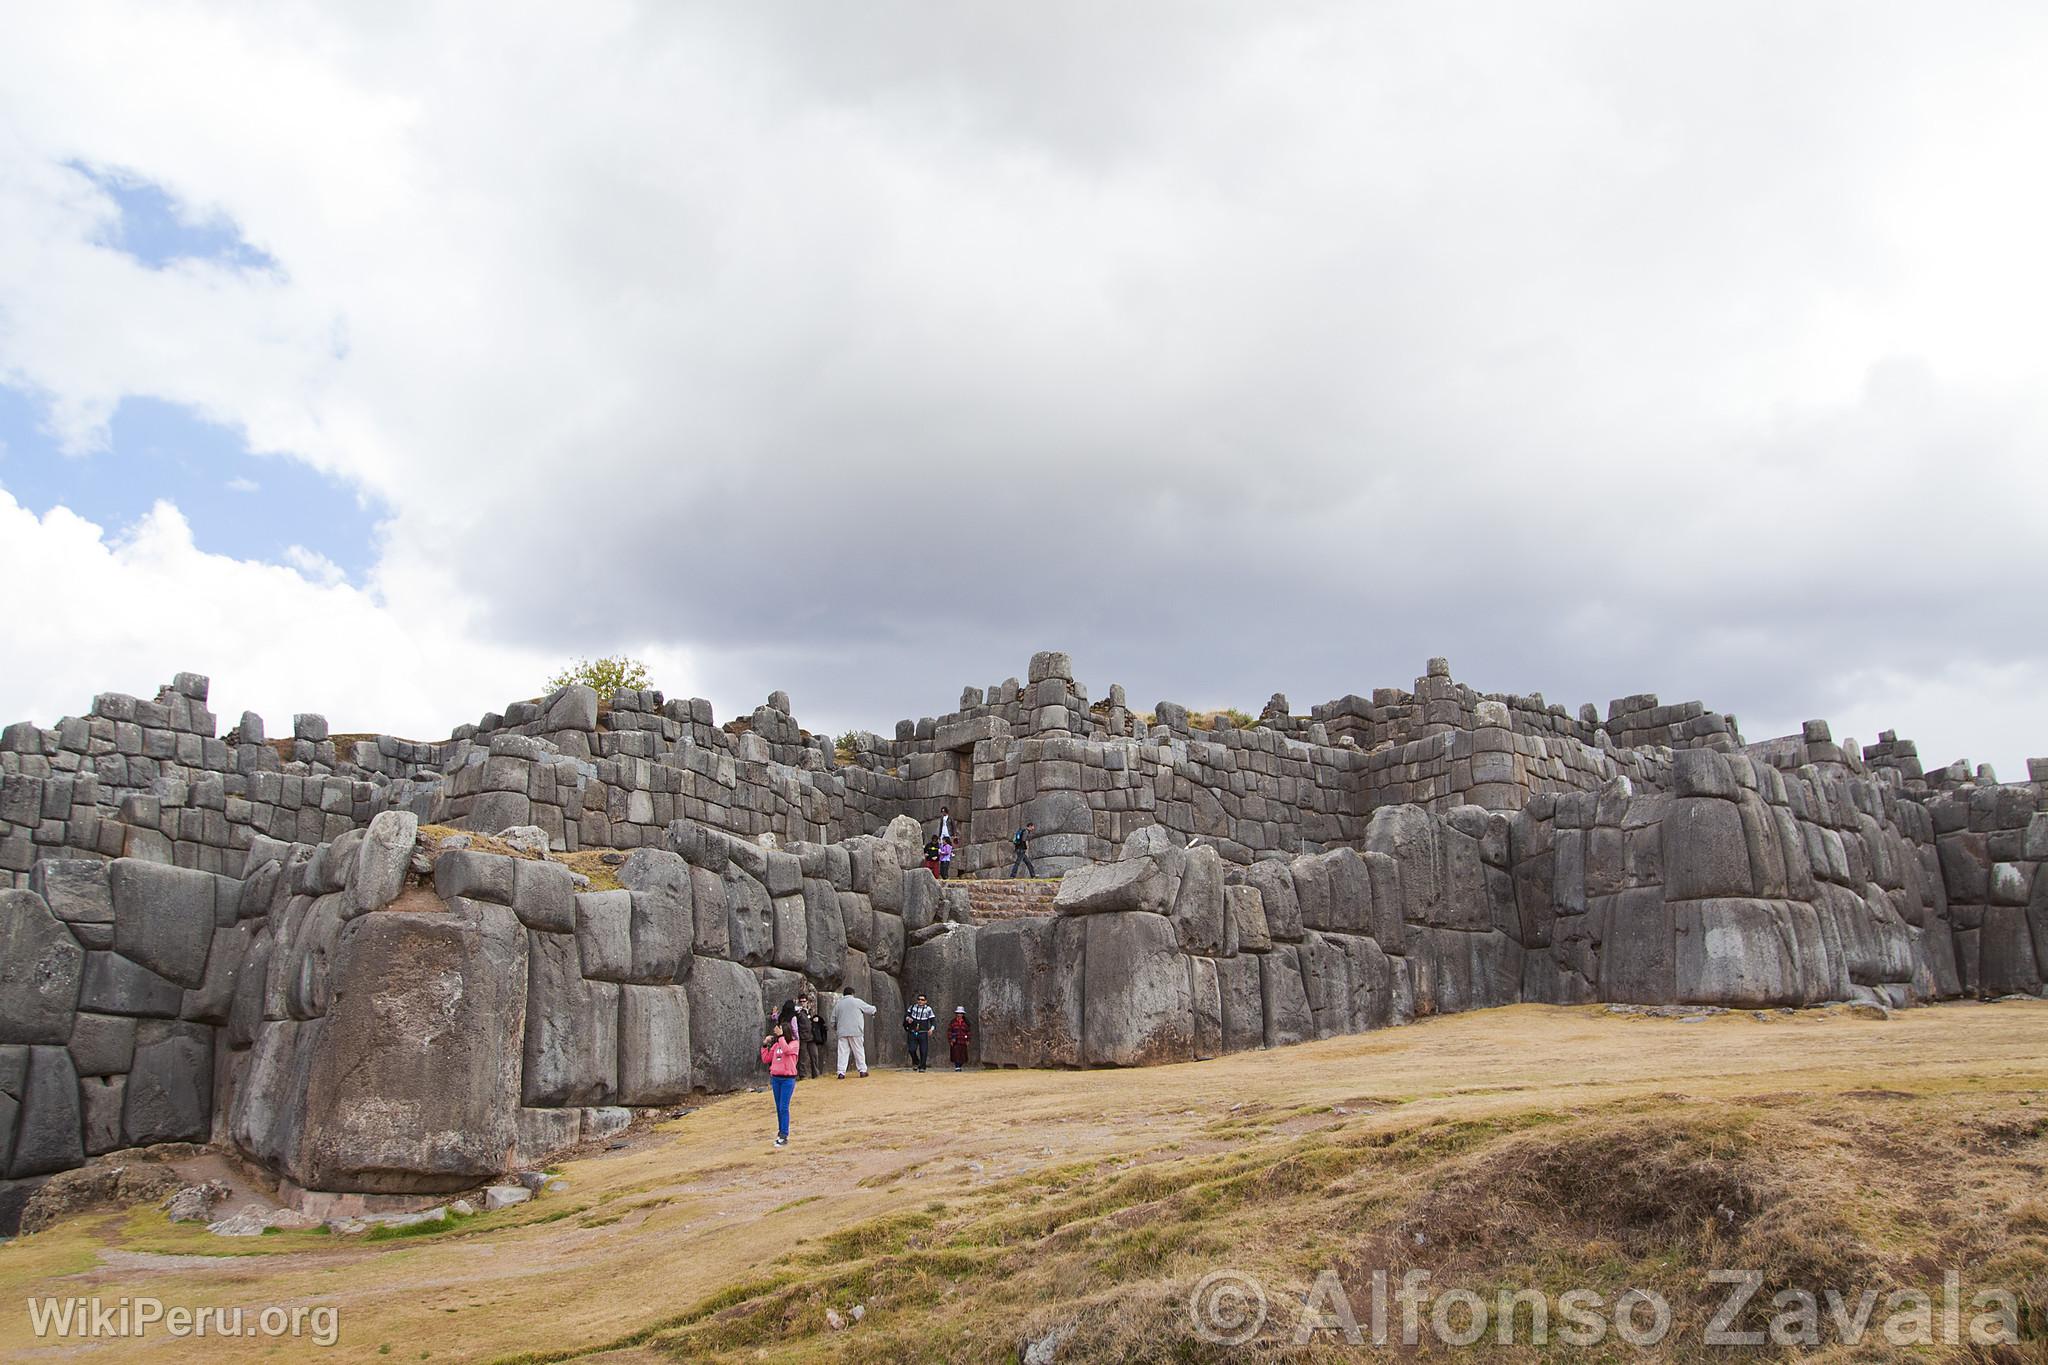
[(1021, 842)]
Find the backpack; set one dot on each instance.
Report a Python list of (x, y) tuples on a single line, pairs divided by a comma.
[(1017, 840)]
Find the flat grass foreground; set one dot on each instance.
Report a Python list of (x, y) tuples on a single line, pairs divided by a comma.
[(1527, 1149)]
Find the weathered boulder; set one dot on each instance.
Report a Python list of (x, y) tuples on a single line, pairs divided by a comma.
[(1137, 1006), (604, 934), (1705, 851), (825, 939), (726, 1016), (1284, 997), (48, 1135), (1638, 952), (750, 919), (1137, 884), (112, 984), (1241, 997), (544, 895), (1207, 999), (1275, 883), (946, 970), (163, 918), (1198, 906), (41, 966), (412, 1088), (75, 889), (654, 1044), (382, 860), (1030, 991), (169, 1096), (102, 1044), (571, 1026)]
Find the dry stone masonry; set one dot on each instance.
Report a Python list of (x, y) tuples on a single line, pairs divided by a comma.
[(285, 947)]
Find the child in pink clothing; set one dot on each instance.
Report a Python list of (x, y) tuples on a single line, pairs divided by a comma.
[(780, 1050)]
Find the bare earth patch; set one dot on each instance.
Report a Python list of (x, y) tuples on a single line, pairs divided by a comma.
[(1528, 1146)]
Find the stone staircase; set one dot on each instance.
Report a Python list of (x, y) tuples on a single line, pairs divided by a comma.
[(996, 899)]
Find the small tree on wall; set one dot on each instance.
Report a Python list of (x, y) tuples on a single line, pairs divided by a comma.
[(605, 676)]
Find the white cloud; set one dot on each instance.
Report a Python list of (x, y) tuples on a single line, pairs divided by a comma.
[(1232, 348), (124, 612), (241, 484)]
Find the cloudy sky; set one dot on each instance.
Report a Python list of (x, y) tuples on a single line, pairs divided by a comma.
[(376, 358)]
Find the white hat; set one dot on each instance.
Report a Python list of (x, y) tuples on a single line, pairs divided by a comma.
[(959, 1009)]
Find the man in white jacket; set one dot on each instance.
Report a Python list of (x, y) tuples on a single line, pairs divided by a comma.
[(849, 1021)]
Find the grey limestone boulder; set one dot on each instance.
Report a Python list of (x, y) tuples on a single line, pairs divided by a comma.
[(382, 860), (163, 918), (571, 1027), (412, 1088), (48, 1132), (654, 1044), (1198, 914), (946, 969), (1030, 974), (1241, 997), (1137, 1004), (169, 1096), (1137, 884), (726, 1019), (1284, 996), (41, 965)]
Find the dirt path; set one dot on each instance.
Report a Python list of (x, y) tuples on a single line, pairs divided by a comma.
[(703, 1202)]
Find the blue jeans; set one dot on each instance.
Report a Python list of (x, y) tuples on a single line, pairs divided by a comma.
[(784, 1087)]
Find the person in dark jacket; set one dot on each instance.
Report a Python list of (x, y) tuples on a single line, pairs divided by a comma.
[(918, 1022), (959, 1035), (811, 1033), (1021, 842)]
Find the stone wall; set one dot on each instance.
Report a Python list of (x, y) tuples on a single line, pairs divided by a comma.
[(253, 942)]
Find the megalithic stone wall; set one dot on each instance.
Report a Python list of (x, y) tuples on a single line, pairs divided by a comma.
[(253, 942)]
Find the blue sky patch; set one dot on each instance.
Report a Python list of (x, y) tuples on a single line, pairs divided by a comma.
[(238, 503), (157, 229)]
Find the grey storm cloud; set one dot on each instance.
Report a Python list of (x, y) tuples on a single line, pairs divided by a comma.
[(863, 351)]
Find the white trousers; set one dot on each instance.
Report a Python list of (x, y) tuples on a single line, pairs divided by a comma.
[(858, 1045)]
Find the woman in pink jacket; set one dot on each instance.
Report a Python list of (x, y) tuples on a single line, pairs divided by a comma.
[(780, 1050)]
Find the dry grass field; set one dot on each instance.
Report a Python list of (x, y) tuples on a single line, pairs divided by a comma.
[(1522, 1148)]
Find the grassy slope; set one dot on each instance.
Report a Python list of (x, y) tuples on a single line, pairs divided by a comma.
[(1526, 1146)]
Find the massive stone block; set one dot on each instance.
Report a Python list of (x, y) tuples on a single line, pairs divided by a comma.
[(163, 918), (572, 1028), (381, 861), (654, 1044), (48, 1133), (708, 904), (113, 985), (1735, 952), (1207, 999), (1241, 996), (726, 1018), (1288, 1018), (169, 1096), (412, 1087), (750, 919), (825, 939), (1136, 1003), (41, 965), (1136, 884), (1198, 907), (1468, 969), (1705, 851), (75, 889), (1637, 949), (792, 933), (1030, 991), (1275, 883)]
